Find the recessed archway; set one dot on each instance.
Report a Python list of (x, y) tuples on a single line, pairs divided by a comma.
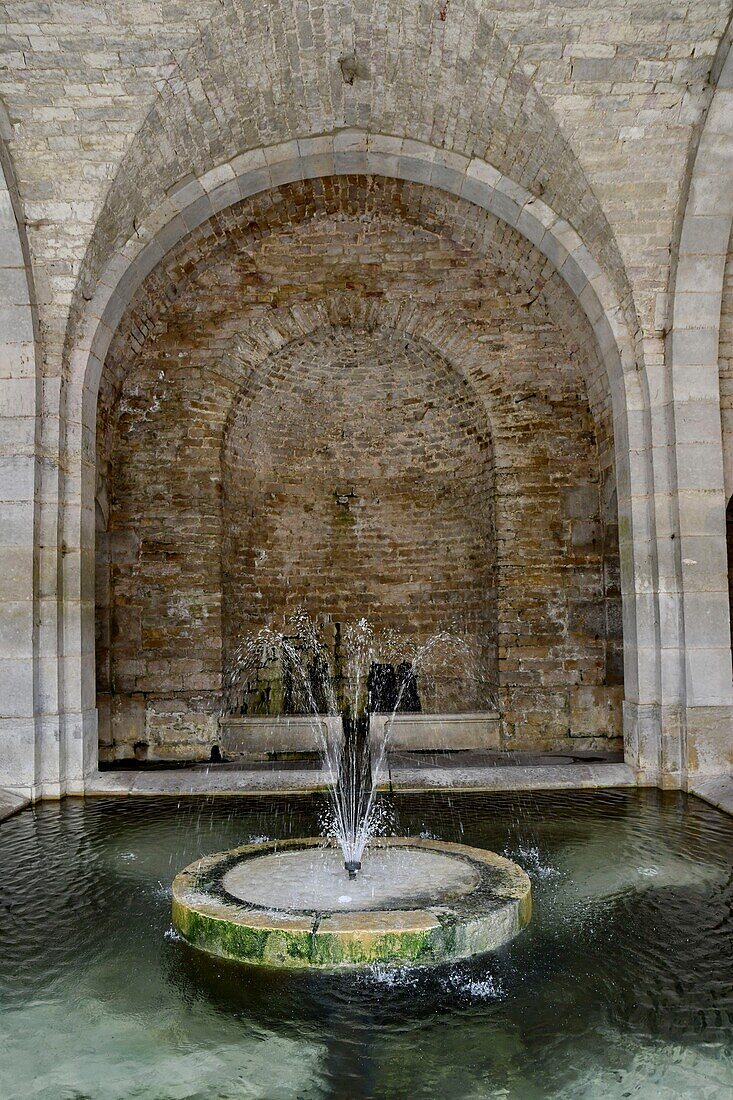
[(499, 337)]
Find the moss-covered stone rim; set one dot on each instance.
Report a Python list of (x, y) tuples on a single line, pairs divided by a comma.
[(209, 918)]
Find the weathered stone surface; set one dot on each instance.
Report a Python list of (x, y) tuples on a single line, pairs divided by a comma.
[(476, 906), (11, 804)]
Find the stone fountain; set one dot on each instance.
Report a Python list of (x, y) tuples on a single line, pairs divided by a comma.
[(353, 896)]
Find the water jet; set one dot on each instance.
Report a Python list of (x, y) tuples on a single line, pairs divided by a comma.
[(282, 903)]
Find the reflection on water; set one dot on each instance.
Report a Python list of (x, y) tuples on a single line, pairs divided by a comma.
[(622, 985)]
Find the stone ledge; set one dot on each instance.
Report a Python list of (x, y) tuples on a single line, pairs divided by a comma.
[(232, 905), (519, 778), (256, 736), (11, 803), (717, 790)]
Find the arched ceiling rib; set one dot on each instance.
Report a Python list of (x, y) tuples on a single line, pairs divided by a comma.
[(264, 74)]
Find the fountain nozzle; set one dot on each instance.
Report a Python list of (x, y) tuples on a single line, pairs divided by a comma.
[(352, 866)]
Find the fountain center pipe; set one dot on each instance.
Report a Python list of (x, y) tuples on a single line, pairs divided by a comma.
[(352, 866), (355, 781), (353, 687)]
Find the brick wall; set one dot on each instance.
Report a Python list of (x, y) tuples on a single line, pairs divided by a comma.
[(358, 481)]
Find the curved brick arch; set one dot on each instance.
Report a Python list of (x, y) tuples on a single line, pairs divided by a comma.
[(697, 635), (408, 209), (438, 336), (336, 154), (247, 351)]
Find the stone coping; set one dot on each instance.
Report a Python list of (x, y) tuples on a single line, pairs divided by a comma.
[(471, 922), (11, 803), (250, 734), (200, 780), (716, 790)]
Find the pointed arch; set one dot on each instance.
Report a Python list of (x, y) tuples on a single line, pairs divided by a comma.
[(693, 542)]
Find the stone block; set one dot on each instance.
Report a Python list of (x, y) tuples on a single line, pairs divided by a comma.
[(17, 695), (16, 324), (709, 740), (709, 677), (17, 752), (410, 732), (607, 70), (16, 629)]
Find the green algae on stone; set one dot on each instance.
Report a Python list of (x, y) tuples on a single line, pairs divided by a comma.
[(484, 902)]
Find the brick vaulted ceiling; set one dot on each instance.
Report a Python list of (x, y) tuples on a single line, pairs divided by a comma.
[(264, 74)]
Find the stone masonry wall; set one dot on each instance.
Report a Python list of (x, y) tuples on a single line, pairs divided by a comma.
[(624, 83), (158, 569)]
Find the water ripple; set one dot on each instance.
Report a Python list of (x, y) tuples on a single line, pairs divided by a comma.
[(622, 985)]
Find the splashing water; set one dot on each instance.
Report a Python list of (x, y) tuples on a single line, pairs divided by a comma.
[(338, 693)]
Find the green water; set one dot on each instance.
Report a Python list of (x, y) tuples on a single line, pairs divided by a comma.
[(621, 987)]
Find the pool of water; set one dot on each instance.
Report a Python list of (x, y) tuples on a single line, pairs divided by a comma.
[(621, 987)]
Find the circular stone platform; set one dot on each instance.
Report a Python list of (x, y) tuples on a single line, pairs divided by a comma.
[(291, 903)]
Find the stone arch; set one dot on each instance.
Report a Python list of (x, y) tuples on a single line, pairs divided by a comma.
[(28, 736), (696, 618), (612, 606), (220, 367), (260, 78)]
